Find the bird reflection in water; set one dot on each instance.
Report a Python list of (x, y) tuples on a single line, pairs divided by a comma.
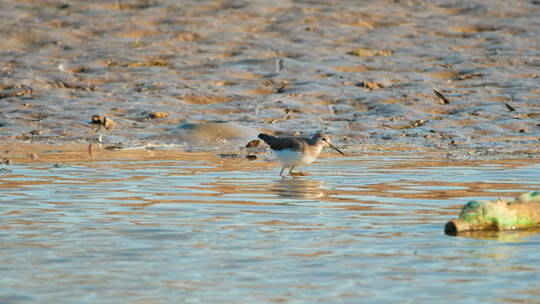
[(297, 188)]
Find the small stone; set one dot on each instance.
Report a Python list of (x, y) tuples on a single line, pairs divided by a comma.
[(96, 119), (154, 115), (117, 146), (281, 89), (510, 108), (90, 150), (365, 52), (371, 85), (441, 97), (221, 83), (253, 144), (228, 155), (36, 132), (105, 121), (108, 123)]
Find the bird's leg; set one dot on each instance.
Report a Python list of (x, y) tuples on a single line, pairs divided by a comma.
[(296, 173), (281, 172)]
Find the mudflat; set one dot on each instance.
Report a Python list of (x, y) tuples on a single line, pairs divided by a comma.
[(365, 71)]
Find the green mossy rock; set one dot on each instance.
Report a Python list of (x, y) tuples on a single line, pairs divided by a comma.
[(522, 212)]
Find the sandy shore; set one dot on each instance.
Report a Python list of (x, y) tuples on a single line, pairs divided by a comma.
[(362, 71)]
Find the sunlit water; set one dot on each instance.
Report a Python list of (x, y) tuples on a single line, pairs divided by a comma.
[(200, 230)]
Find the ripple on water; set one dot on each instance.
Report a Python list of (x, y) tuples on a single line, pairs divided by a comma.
[(150, 229)]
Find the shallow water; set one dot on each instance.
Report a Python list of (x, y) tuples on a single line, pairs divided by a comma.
[(171, 226)]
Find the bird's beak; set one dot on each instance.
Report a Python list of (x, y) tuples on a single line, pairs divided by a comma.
[(333, 147)]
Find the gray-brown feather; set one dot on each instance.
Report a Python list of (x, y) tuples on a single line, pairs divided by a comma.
[(283, 143)]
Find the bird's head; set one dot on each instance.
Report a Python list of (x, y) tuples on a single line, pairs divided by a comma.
[(321, 138)]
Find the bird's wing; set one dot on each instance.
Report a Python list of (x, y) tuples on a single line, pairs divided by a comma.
[(282, 143)]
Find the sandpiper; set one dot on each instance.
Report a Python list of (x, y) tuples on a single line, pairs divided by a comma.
[(297, 151)]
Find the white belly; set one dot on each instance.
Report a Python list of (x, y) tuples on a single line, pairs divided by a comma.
[(293, 158)]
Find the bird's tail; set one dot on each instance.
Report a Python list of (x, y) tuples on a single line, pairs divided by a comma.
[(266, 138)]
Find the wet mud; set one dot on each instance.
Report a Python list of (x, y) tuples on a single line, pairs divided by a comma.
[(364, 71)]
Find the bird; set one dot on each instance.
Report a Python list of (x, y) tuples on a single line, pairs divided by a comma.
[(293, 152)]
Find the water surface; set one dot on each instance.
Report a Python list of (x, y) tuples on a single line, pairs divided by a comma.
[(171, 226)]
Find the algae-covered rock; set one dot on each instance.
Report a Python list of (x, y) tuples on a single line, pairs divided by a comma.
[(210, 132), (522, 212), (216, 130)]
